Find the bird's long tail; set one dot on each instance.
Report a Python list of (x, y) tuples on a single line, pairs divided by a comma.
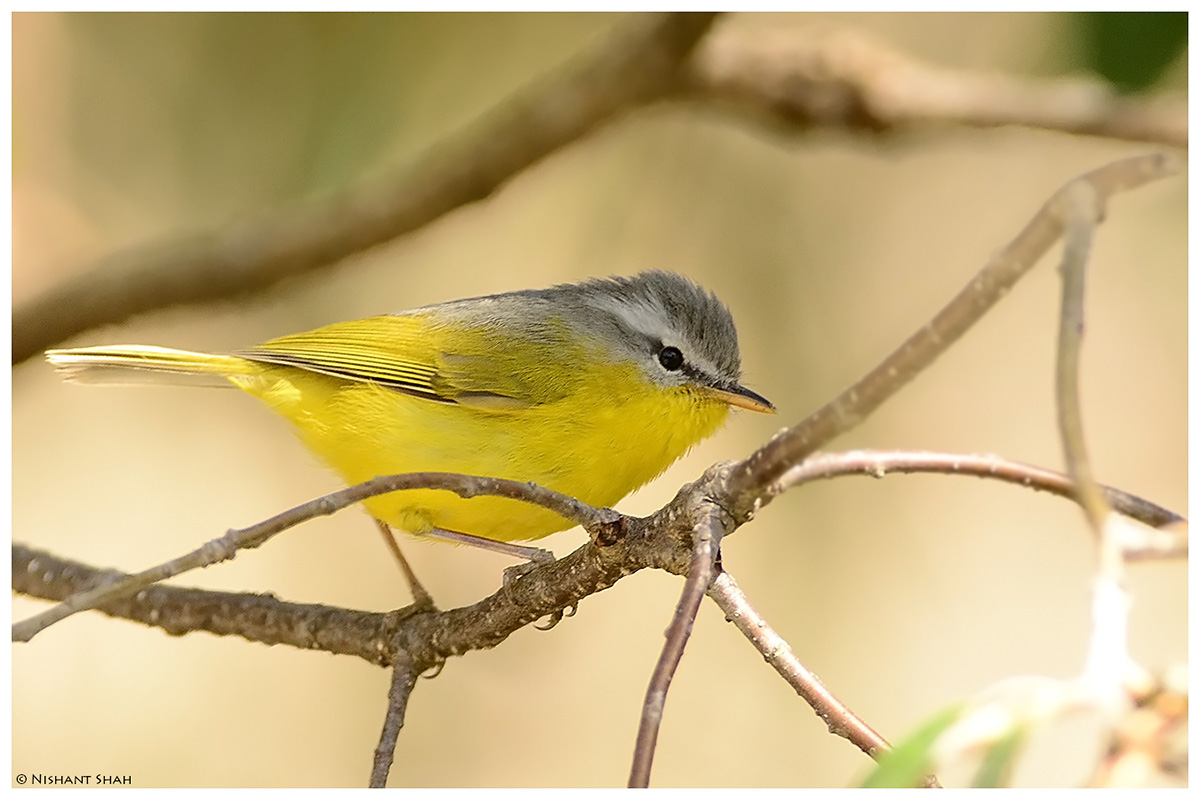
[(135, 363)]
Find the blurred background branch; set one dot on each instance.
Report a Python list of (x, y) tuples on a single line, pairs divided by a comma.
[(856, 83)]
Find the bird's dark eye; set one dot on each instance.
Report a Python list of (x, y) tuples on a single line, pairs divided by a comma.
[(671, 358)]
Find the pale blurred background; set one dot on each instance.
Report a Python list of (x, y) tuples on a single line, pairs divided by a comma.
[(903, 594)]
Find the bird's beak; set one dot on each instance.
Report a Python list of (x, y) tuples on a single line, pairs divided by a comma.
[(741, 397)]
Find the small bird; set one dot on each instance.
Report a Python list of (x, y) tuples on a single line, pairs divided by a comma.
[(591, 389)]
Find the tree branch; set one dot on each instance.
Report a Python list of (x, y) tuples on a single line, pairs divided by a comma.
[(604, 524), (661, 541), (178, 610)]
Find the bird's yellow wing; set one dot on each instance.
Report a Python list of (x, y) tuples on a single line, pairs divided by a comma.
[(475, 365)]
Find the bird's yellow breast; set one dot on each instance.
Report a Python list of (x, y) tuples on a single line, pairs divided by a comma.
[(609, 434)]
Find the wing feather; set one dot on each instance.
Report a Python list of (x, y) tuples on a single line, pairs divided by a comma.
[(481, 366)]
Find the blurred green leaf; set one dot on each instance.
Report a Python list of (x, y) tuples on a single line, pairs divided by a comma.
[(908, 763), (997, 766), (1131, 49)]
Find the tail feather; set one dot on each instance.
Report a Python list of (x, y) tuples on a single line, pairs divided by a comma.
[(135, 363)]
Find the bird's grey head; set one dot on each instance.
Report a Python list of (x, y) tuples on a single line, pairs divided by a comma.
[(675, 329), (678, 333)]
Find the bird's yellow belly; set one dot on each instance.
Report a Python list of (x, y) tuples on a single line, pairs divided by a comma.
[(597, 445)]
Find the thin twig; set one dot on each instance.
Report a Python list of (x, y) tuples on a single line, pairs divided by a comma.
[(1082, 210), (639, 64), (779, 654), (225, 547), (707, 542), (840, 720), (764, 467), (1161, 541), (404, 678)]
